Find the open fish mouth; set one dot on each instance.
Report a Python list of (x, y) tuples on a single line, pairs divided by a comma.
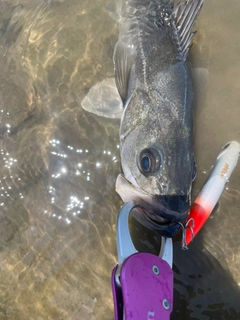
[(154, 212)]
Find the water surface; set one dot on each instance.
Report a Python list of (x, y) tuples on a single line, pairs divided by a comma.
[(59, 165)]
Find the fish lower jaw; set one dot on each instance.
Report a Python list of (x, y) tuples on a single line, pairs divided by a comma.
[(130, 192)]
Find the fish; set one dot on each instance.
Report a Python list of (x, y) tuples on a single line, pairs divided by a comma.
[(155, 82), (154, 79)]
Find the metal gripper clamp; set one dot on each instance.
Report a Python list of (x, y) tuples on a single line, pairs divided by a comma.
[(142, 283)]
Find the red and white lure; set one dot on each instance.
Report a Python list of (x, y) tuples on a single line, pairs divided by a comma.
[(210, 193)]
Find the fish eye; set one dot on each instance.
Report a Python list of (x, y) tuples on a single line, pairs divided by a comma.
[(149, 161)]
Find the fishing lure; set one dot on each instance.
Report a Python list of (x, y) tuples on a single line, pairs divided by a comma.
[(210, 193)]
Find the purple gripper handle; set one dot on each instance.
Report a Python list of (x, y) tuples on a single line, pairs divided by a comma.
[(146, 291)]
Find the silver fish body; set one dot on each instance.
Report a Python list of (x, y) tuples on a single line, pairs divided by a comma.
[(154, 79)]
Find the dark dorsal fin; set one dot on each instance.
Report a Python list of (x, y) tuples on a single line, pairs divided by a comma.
[(185, 16)]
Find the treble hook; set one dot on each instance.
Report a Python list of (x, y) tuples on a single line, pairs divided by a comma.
[(184, 227)]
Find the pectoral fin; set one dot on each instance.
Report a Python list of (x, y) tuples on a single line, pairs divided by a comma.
[(103, 99), (124, 55)]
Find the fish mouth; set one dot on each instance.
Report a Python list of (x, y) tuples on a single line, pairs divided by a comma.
[(175, 203), (162, 214)]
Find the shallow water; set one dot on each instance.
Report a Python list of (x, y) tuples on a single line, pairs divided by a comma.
[(59, 165)]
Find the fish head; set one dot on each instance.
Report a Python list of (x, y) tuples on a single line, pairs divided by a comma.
[(160, 163)]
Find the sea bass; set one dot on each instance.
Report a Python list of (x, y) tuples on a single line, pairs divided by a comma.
[(153, 77), (154, 80)]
